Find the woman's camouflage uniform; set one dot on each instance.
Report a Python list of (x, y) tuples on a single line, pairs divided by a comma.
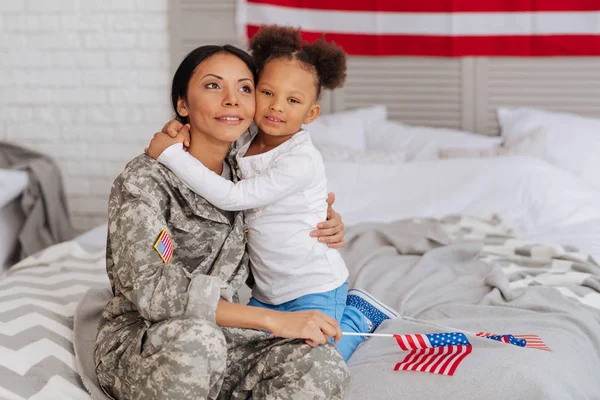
[(158, 338)]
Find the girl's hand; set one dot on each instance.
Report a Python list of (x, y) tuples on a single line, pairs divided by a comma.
[(161, 141), (331, 231), (312, 326), (172, 129)]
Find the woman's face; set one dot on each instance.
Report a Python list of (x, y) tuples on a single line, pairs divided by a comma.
[(220, 98)]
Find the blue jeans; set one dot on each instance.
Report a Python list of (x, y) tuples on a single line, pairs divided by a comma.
[(333, 304)]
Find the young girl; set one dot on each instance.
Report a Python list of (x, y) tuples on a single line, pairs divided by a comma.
[(284, 186)]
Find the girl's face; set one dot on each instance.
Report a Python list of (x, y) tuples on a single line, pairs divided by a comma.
[(220, 99), (285, 97)]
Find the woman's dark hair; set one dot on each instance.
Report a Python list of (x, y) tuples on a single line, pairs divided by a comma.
[(275, 41), (184, 73)]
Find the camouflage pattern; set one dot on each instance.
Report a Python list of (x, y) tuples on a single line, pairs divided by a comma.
[(158, 338)]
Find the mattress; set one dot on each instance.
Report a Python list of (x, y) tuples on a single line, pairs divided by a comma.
[(12, 184)]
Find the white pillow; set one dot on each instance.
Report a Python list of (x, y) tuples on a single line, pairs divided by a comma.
[(347, 132), (423, 143), (569, 141), (12, 184), (367, 115), (531, 195), (332, 152), (346, 128)]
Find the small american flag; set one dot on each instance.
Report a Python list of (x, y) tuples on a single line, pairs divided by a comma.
[(510, 339), (427, 340), (531, 341), (164, 246), (437, 353)]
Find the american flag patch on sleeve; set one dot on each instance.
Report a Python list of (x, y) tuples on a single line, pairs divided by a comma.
[(164, 246)]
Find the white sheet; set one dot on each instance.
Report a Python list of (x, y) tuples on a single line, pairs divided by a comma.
[(94, 238), (11, 222), (569, 141), (12, 184), (538, 200)]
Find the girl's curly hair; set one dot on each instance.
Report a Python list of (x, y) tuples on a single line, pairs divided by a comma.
[(276, 41)]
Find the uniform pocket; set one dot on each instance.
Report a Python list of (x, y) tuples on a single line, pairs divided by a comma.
[(182, 223)]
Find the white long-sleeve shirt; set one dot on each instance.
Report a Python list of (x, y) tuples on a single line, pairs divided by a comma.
[(284, 194)]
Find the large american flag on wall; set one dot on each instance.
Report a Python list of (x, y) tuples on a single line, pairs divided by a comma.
[(450, 28)]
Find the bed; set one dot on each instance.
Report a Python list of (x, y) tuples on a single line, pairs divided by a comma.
[(504, 244), (12, 184), (504, 274)]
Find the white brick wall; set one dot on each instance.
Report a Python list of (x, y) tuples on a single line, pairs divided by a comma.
[(86, 81)]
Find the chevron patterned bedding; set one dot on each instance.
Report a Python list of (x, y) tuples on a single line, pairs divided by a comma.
[(38, 298)]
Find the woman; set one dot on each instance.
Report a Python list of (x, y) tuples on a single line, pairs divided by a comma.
[(173, 329)]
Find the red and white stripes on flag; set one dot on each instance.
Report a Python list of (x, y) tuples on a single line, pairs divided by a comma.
[(164, 246), (531, 341), (437, 353), (534, 342), (451, 28), (437, 360)]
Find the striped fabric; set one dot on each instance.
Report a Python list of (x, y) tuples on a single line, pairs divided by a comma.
[(437, 27), (426, 340), (38, 298), (436, 353), (436, 360), (564, 268)]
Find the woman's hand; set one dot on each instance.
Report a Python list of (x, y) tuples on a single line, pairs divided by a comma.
[(331, 231), (312, 326), (161, 141)]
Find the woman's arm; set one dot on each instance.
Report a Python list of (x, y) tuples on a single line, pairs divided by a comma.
[(158, 290), (313, 326)]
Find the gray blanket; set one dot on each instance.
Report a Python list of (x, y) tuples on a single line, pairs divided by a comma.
[(448, 276), (43, 202)]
